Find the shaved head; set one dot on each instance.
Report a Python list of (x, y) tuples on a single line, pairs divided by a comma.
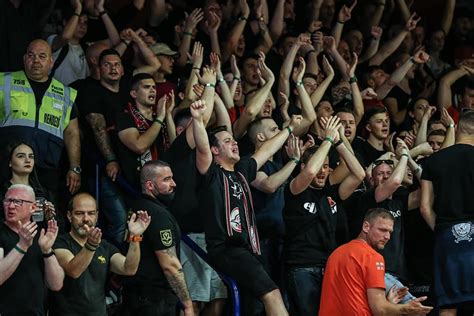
[(38, 60)]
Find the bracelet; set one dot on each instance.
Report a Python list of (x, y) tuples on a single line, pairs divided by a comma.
[(405, 155), (295, 160), (289, 130), (451, 125), (125, 42), (76, 14), (329, 139), (220, 80), (338, 143), (111, 158), (418, 169), (352, 79), (243, 18), (135, 238), (187, 33), (17, 248), (102, 13), (412, 59), (340, 22), (236, 78), (157, 120), (196, 68), (209, 85), (49, 254), (86, 245), (299, 83), (260, 18)]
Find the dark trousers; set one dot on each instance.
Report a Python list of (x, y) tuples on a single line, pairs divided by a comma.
[(151, 302), (304, 290)]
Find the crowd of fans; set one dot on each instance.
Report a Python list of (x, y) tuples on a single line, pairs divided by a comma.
[(270, 132)]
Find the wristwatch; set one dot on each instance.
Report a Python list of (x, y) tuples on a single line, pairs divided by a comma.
[(76, 169)]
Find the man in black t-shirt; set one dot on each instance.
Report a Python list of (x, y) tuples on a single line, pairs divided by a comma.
[(88, 260), (27, 261), (99, 105), (230, 227), (447, 205), (310, 214), (138, 127), (150, 291)]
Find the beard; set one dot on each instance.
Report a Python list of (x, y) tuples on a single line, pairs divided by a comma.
[(165, 198)]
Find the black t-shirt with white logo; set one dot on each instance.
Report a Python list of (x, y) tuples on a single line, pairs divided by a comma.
[(224, 198), (394, 251), (311, 220)]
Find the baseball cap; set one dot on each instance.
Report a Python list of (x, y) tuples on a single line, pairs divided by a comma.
[(162, 49)]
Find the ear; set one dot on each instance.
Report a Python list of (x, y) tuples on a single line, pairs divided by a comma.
[(260, 137), (368, 127), (133, 94), (149, 185), (69, 216), (365, 227), (411, 114), (215, 150), (371, 83)]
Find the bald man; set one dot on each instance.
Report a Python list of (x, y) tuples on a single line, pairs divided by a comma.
[(41, 111)]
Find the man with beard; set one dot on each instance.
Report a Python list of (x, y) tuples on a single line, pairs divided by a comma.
[(354, 277), (87, 259), (150, 291)]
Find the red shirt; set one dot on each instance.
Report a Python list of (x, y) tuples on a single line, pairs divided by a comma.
[(350, 271)]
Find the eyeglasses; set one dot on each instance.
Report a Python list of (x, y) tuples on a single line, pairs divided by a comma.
[(381, 161), (16, 202)]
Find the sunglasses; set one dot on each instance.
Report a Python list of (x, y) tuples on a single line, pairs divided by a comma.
[(381, 161)]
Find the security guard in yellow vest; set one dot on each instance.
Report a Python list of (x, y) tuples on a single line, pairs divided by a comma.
[(40, 110)]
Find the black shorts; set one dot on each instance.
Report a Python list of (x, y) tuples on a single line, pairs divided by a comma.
[(244, 267), (453, 260)]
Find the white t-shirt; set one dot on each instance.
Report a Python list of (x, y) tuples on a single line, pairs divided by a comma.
[(74, 65)]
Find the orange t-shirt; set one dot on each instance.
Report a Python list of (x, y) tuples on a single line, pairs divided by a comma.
[(350, 271)]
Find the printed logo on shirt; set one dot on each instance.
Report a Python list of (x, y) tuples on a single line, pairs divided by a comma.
[(310, 207), (235, 220), (237, 190), (380, 266), (332, 204), (463, 231), (396, 214), (166, 237), (101, 259)]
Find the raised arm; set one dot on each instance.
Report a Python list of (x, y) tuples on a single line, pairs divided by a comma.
[(386, 189), (196, 59), (445, 97), (276, 24), (224, 88), (271, 146), (256, 101), (128, 265), (344, 15), (222, 115), (203, 150), (307, 109), (236, 31), (376, 33), (421, 136), (391, 46), (448, 121), (269, 184), (330, 47), (152, 63), (357, 102), (285, 70), (213, 25), (190, 25), (448, 13), (318, 94), (112, 33), (53, 273), (68, 31)]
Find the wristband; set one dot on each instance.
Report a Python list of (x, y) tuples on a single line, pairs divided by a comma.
[(329, 139), (243, 18), (412, 59), (338, 143), (90, 248), (295, 160), (405, 155), (236, 78), (352, 79), (102, 13), (220, 80), (157, 120), (187, 33), (209, 85), (76, 14), (451, 125), (17, 248), (197, 68), (134, 238), (299, 83), (49, 254), (125, 42), (340, 22), (289, 130)]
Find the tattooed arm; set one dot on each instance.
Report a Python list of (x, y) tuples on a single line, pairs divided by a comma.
[(102, 139), (173, 271)]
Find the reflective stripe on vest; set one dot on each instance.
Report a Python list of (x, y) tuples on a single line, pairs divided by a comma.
[(20, 104)]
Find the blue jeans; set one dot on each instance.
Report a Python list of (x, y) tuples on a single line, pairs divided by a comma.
[(391, 280), (113, 212), (304, 290)]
